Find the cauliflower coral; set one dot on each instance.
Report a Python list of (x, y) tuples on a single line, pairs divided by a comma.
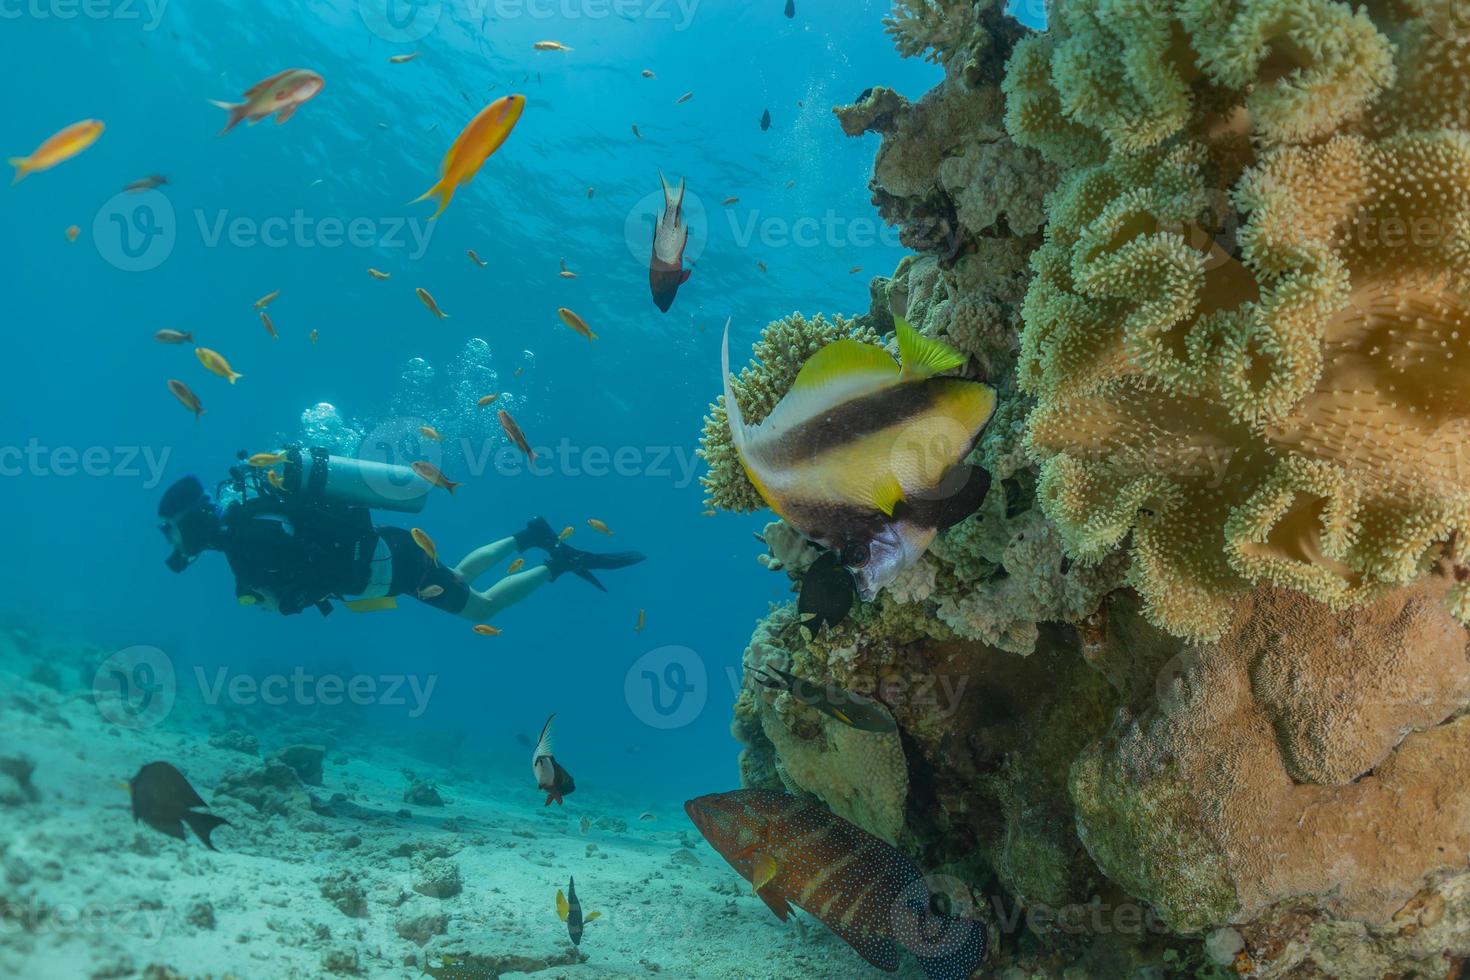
[(1246, 328)]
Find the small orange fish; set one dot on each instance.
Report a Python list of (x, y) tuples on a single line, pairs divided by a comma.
[(487, 400), (431, 592), (730, 200), (475, 258), (173, 337), (514, 433), (647, 73), (270, 328), (263, 460), (516, 566), (312, 337), (642, 619), (380, 276), (429, 432), (57, 148), (566, 532), (402, 59), (565, 272), (576, 323), (427, 300), (281, 94), (275, 479), (431, 473), (426, 543), (483, 135), (684, 98), (599, 526), (216, 364), (267, 299), (72, 233), (186, 397), (550, 46), (486, 630)]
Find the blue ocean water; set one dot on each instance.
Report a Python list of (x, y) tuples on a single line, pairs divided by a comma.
[(307, 207)]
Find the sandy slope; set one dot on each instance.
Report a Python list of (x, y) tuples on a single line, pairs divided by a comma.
[(87, 892)]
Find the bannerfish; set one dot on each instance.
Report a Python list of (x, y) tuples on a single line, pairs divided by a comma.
[(429, 302), (826, 594), (865, 890), (164, 800), (577, 324), (865, 456), (146, 184), (426, 543), (57, 148), (569, 910), (216, 364), (186, 397), (853, 710), (765, 120), (475, 258), (551, 778), (173, 337), (432, 474), (514, 434), (281, 94), (484, 134), (666, 272)]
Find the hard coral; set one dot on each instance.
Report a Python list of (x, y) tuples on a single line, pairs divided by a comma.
[(1242, 348)]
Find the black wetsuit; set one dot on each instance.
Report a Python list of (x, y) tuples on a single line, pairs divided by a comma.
[(306, 555)]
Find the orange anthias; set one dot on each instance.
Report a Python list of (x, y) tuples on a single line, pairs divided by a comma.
[(482, 137), (62, 146), (862, 888)]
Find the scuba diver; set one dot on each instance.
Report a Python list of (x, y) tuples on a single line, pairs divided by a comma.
[(303, 537)]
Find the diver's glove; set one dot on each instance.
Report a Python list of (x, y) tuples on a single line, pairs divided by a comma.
[(565, 558), (536, 534)]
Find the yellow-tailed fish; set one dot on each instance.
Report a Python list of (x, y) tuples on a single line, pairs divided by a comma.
[(186, 397), (275, 480), (516, 566), (566, 532), (431, 473), (427, 300), (426, 543), (476, 142), (550, 46), (73, 233), (380, 276), (866, 456), (487, 400), (267, 299), (486, 630), (599, 526), (576, 323), (270, 328), (281, 94), (57, 148), (475, 258), (263, 460), (216, 364), (166, 336), (429, 432)]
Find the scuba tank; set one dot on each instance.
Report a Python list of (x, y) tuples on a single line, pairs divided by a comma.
[(316, 475)]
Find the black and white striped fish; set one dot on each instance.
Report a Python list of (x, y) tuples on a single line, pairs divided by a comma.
[(866, 456)]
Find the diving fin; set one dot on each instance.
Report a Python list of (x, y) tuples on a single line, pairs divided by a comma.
[(564, 558)]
